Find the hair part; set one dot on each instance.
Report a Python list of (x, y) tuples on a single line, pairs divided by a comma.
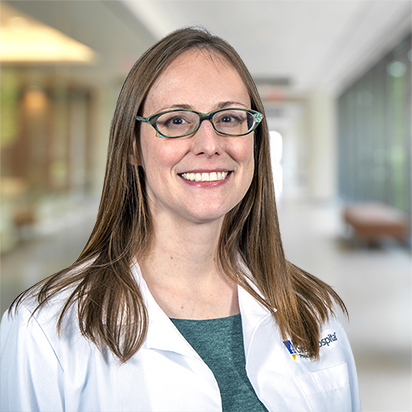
[(110, 307)]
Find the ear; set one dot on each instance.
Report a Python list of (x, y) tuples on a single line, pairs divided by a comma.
[(134, 157)]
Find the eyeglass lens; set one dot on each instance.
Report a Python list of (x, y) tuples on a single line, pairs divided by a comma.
[(230, 122)]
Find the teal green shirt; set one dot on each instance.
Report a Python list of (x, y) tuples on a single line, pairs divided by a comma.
[(219, 342)]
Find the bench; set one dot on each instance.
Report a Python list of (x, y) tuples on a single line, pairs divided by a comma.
[(373, 221)]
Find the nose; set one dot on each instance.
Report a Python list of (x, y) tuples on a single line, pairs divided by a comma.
[(206, 140)]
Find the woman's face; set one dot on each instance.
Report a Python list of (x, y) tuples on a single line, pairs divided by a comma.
[(203, 82)]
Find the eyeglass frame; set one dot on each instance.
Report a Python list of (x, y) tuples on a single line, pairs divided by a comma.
[(152, 120)]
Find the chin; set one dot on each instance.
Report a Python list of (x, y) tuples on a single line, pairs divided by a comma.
[(208, 214)]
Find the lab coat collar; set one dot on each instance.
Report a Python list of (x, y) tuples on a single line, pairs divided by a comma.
[(163, 335), (253, 314)]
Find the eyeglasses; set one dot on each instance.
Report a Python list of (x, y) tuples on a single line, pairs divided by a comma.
[(181, 123)]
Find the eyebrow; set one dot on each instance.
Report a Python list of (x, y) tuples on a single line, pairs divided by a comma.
[(219, 106)]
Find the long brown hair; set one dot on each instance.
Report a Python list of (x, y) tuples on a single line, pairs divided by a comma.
[(111, 311)]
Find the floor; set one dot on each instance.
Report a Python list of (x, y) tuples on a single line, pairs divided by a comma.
[(374, 283)]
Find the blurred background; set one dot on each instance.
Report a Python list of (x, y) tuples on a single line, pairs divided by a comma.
[(335, 78)]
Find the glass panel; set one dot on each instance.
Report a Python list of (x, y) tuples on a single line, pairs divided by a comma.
[(375, 133)]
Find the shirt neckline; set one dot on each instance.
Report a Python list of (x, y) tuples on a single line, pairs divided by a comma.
[(226, 318)]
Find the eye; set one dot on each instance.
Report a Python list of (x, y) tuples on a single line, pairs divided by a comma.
[(232, 117), (173, 120), (228, 119), (177, 123), (176, 120)]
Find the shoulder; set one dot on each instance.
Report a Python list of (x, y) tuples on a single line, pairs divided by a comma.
[(30, 323), (41, 305), (24, 316)]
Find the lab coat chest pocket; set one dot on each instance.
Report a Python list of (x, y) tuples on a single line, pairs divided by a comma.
[(327, 390)]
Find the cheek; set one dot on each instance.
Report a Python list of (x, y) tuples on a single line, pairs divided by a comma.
[(248, 157), (243, 152), (149, 148), (159, 153)]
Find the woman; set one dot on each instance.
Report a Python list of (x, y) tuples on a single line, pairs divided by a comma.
[(182, 299)]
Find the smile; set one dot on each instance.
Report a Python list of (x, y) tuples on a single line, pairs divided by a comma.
[(205, 177)]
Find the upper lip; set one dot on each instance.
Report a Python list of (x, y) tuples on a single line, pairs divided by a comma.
[(205, 171)]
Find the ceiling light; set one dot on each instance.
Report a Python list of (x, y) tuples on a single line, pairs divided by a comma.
[(18, 24), (25, 40)]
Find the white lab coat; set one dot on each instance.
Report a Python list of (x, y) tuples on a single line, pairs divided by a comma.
[(43, 372)]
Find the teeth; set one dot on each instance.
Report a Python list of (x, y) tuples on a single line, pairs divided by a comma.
[(205, 177)]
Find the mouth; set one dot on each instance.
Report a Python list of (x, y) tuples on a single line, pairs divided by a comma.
[(205, 177)]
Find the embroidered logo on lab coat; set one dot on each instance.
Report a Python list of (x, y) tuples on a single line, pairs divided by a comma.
[(296, 351), (328, 340), (290, 348)]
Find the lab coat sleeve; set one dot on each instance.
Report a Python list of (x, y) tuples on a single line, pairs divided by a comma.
[(30, 368)]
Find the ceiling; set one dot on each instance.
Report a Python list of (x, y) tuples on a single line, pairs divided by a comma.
[(310, 43), (297, 46)]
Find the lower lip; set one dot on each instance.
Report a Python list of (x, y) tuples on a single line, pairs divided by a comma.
[(207, 184)]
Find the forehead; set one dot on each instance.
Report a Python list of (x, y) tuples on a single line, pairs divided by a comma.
[(199, 78)]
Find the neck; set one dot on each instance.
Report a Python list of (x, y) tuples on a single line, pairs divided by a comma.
[(183, 274)]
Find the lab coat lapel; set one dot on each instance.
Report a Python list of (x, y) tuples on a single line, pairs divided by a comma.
[(253, 314), (262, 352), (162, 333)]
